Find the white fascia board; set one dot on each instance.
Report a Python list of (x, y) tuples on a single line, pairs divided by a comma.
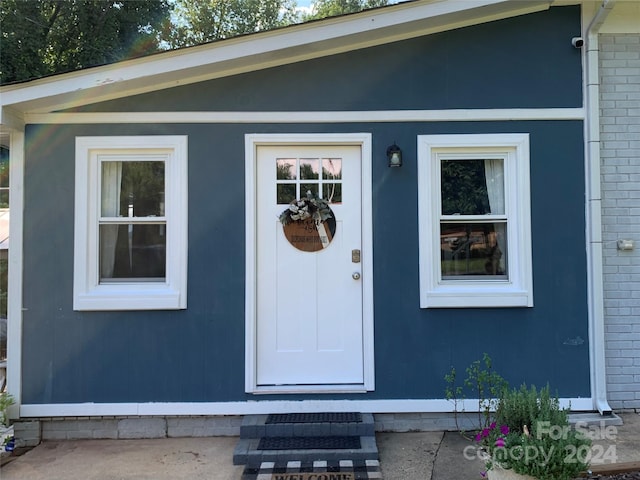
[(258, 51)]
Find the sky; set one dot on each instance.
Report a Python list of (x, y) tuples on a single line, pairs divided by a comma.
[(304, 5)]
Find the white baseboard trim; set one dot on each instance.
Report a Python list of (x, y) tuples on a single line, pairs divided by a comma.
[(263, 407)]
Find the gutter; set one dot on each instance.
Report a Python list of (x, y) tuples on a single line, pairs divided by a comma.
[(594, 212)]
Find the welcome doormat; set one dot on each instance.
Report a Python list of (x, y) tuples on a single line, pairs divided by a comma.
[(310, 443), (316, 470)]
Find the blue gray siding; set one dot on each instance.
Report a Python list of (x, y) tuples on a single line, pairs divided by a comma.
[(524, 62), (197, 355)]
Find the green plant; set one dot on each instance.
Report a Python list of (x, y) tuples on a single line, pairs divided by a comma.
[(6, 400), (531, 435), (486, 385)]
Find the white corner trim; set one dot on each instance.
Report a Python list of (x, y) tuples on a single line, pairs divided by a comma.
[(374, 116), (14, 299), (252, 141), (264, 407)]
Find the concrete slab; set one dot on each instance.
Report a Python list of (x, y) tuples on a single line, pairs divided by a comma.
[(616, 443), (457, 458), (151, 459), (408, 456)]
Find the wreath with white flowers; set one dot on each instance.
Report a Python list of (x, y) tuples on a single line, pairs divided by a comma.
[(309, 207)]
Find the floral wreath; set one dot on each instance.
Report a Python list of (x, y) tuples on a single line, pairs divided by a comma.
[(307, 207)]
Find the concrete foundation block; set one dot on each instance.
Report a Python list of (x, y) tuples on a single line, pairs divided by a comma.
[(27, 433), (204, 427), (142, 428)]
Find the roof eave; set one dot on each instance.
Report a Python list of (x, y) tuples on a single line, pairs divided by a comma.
[(253, 52)]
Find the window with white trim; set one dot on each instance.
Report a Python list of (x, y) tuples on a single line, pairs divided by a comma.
[(130, 249), (474, 221)]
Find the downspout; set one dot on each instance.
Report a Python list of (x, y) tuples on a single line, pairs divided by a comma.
[(594, 212)]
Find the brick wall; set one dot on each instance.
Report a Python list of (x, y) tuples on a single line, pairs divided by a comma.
[(620, 164)]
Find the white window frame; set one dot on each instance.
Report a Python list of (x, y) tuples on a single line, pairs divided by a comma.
[(88, 292), (517, 289)]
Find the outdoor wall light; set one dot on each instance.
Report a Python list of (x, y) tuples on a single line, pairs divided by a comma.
[(394, 155)]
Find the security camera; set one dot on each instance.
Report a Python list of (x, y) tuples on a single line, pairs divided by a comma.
[(577, 42)]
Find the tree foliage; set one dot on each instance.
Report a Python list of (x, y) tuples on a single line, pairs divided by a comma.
[(200, 21), (330, 8), (464, 188), (42, 37)]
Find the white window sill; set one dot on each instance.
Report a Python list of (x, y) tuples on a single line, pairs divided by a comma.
[(479, 297), (108, 298)]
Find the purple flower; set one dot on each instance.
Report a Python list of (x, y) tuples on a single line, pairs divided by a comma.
[(500, 442), (485, 433), (479, 437), (492, 426), (504, 429)]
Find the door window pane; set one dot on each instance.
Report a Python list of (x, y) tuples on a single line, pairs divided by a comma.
[(332, 169), (286, 192), (332, 192), (471, 249), (309, 169), (286, 169), (309, 187)]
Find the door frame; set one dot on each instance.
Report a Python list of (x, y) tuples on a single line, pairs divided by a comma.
[(252, 143)]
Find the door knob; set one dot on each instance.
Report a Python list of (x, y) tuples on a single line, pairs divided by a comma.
[(356, 275)]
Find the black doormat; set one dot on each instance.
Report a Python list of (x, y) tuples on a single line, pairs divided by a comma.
[(329, 417), (309, 443)]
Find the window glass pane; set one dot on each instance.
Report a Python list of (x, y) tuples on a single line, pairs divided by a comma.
[(4, 198), (4, 267), (332, 192), (4, 167), (309, 187), (473, 249), (286, 169), (132, 189), (132, 251), (4, 177), (286, 192), (472, 187), (309, 169), (332, 169)]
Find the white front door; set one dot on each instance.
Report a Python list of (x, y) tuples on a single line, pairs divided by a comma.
[(309, 306)]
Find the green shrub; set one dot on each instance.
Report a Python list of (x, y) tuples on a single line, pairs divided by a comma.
[(521, 428)]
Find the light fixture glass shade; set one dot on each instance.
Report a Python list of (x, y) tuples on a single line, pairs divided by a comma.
[(394, 155)]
